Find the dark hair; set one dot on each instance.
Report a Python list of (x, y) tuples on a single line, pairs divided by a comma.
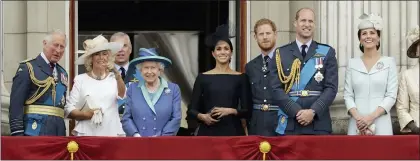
[(360, 45), (213, 48), (221, 34)]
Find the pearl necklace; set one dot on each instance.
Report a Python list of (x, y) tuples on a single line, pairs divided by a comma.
[(98, 77)]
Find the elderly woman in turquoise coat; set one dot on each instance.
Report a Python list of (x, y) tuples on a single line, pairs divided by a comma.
[(153, 104)]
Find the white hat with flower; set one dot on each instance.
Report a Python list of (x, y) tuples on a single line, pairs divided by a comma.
[(413, 38), (97, 44), (370, 21)]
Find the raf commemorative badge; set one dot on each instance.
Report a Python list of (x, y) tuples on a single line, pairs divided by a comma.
[(319, 64)]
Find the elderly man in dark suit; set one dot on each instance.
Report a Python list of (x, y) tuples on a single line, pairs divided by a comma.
[(304, 78), (39, 92), (264, 114)]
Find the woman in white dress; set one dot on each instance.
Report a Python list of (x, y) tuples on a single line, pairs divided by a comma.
[(97, 90), (408, 91), (371, 83)]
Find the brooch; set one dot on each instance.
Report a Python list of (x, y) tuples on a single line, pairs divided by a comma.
[(379, 66), (167, 90)]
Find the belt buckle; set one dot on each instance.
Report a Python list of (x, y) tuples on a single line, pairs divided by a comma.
[(304, 93), (265, 107)]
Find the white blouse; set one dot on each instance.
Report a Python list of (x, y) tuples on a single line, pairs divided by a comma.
[(103, 93)]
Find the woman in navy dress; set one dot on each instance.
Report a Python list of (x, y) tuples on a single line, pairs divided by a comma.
[(221, 96)]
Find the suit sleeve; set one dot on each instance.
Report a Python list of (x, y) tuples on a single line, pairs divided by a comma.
[(348, 89), (127, 120), (194, 108), (402, 104), (279, 97), (19, 94), (73, 98), (321, 105), (172, 126), (391, 87)]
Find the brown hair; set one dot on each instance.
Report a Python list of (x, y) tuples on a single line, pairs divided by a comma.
[(305, 8), (264, 21)]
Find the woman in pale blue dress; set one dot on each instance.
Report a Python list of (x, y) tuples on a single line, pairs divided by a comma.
[(371, 83)]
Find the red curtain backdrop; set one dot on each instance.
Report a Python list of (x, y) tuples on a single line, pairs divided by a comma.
[(213, 148)]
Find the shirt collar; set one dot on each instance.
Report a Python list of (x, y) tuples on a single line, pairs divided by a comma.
[(124, 66), (299, 44), (270, 54), (45, 58)]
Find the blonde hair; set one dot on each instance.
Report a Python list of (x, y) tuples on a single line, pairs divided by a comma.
[(88, 61)]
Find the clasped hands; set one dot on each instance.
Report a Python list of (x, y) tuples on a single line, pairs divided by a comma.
[(305, 117), (363, 123), (215, 114)]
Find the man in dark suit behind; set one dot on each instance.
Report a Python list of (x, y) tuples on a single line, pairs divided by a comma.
[(304, 78), (122, 61)]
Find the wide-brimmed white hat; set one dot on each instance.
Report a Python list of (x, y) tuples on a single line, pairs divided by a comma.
[(370, 21), (97, 44), (413, 38)]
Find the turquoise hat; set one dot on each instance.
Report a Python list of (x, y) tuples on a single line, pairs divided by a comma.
[(149, 55)]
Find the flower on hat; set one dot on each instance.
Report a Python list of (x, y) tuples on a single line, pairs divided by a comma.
[(375, 19), (413, 34)]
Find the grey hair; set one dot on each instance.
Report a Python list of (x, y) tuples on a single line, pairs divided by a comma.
[(48, 37), (161, 66)]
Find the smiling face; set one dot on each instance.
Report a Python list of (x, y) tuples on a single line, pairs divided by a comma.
[(100, 59), (369, 38), (150, 70), (305, 23), (222, 52)]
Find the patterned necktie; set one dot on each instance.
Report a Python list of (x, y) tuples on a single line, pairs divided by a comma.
[(266, 60), (304, 51), (52, 65), (122, 72)]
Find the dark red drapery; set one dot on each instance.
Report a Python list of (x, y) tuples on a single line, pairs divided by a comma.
[(213, 148)]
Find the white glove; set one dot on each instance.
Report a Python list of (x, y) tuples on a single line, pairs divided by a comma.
[(136, 135), (97, 117)]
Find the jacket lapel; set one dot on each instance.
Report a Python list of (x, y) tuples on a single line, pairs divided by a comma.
[(295, 51), (311, 51), (43, 65), (258, 63), (359, 66)]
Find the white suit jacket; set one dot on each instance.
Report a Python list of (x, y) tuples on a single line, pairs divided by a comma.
[(408, 98), (367, 90)]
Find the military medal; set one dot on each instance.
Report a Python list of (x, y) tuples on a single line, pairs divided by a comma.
[(55, 75), (319, 63), (264, 68), (318, 77), (64, 79)]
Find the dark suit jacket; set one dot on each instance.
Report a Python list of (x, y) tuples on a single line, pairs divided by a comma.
[(320, 104)]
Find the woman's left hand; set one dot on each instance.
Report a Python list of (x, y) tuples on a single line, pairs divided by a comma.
[(221, 112), (367, 120)]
